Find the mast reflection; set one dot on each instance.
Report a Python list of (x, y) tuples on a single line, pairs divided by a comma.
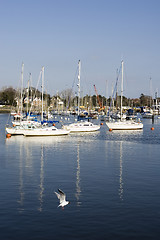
[(21, 183), (26, 171), (78, 188), (41, 181), (121, 174)]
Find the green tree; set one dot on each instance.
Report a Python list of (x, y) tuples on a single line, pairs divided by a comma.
[(7, 96), (145, 100)]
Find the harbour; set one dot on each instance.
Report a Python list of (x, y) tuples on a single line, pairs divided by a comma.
[(79, 120), (110, 178)]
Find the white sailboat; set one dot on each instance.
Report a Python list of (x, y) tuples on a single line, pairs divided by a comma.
[(45, 130), (19, 125), (32, 128), (124, 124), (81, 126)]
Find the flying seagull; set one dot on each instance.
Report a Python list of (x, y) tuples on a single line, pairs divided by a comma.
[(62, 198)]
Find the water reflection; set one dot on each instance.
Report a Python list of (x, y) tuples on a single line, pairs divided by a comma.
[(78, 188), (25, 153), (30, 153), (35, 140), (21, 183), (41, 180), (126, 135), (121, 172)]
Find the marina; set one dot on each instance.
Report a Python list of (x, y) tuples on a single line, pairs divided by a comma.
[(111, 180), (80, 120)]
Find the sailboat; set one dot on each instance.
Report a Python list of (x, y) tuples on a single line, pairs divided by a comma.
[(44, 130), (20, 124), (81, 126), (32, 128), (124, 124)]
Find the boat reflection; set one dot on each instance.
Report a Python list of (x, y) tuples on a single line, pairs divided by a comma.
[(127, 136), (30, 153), (35, 140), (28, 175), (128, 132)]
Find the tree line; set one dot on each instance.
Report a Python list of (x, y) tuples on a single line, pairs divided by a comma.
[(9, 96)]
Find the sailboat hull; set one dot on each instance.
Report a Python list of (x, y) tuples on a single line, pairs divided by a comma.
[(126, 125), (50, 131), (82, 127), (14, 131)]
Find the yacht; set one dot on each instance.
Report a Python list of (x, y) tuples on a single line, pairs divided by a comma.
[(81, 126), (124, 124)]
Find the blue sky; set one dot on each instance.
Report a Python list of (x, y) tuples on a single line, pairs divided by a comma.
[(57, 33)]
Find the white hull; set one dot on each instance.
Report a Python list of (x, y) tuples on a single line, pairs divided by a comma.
[(126, 125), (82, 127), (50, 131), (21, 129), (14, 131)]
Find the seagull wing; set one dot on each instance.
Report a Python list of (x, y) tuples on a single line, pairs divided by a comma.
[(58, 195), (61, 195), (60, 191)]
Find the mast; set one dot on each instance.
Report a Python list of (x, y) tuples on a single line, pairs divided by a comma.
[(31, 85), (28, 95), (112, 97), (42, 92), (79, 76), (117, 102), (22, 86), (106, 95), (121, 89), (150, 92)]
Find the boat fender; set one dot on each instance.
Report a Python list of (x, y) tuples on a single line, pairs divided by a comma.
[(8, 135)]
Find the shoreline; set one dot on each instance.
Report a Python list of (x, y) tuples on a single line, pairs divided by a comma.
[(5, 110)]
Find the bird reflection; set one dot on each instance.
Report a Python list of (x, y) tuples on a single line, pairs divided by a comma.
[(78, 188)]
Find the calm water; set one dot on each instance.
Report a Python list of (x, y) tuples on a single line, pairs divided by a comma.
[(111, 178)]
